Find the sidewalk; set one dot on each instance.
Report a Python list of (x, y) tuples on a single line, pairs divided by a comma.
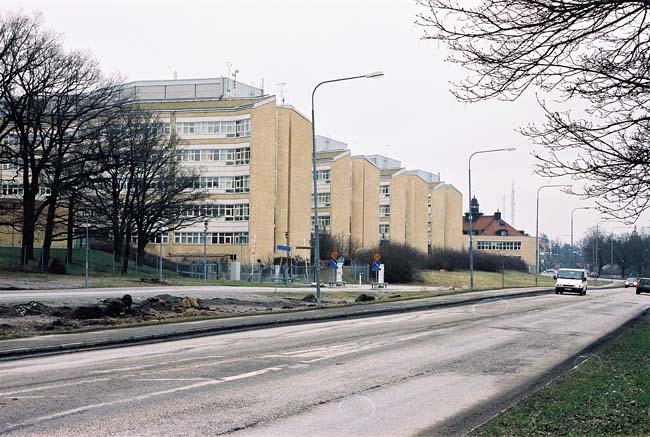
[(63, 343)]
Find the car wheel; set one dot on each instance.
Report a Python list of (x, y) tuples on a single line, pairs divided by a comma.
[(638, 292)]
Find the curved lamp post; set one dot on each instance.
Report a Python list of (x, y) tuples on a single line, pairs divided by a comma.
[(537, 227), (471, 218), (316, 262)]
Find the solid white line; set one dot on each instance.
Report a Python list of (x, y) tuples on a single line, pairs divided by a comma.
[(140, 398), (47, 387)]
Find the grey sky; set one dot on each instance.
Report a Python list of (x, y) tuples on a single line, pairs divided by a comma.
[(409, 115)]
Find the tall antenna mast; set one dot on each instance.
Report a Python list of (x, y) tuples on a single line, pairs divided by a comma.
[(281, 85), (512, 204), (503, 206)]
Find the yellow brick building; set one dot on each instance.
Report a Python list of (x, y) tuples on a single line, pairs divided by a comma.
[(347, 193), (254, 157)]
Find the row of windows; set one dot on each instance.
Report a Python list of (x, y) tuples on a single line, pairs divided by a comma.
[(241, 156), (212, 237), (239, 212), (384, 190), (232, 184), (10, 189), (498, 245), (239, 128)]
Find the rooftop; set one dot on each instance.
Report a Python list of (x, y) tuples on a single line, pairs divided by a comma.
[(190, 89)]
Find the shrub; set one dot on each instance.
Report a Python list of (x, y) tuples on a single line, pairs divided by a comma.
[(403, 261)]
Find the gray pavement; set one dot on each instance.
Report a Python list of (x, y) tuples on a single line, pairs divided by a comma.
[(400, 374), (141, 334), (92, 295)]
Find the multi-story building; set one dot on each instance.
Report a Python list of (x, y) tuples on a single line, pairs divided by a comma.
[(416, 208), (491, 234), (254, 156), (346, 193)]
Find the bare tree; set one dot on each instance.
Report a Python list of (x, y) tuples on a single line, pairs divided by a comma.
[(591, 51)]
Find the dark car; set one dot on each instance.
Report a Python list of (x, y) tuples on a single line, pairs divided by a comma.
[(644, 286), (631, 282)]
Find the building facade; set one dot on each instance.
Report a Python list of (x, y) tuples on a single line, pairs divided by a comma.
[(254, 159), (493, 235)]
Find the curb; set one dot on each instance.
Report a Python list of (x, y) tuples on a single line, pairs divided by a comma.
[(248, 323)]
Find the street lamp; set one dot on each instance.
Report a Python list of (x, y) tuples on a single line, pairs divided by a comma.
[(205, 251), (160, 256), (87, 244), (374, 75), (611, 251), (471, 218), (596, 243), (537, 227), (573, 256)]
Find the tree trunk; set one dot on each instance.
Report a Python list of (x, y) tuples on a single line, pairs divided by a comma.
[(142, 243), (126, 254), (49, 231), (70, 232), (29, 228)]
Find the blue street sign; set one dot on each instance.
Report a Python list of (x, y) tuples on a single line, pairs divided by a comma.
[(376, 266), (283, 248), (333, 264), (296, 261)]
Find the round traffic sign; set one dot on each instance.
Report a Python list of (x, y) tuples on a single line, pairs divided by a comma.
[(376, 256), (334, 254)]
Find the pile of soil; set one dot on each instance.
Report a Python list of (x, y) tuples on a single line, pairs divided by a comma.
[(33, 318)]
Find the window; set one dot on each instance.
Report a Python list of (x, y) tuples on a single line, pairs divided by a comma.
[(324, 222), (323, 176), (10, 189), (384, 210), (384, 230), (231, 129), (188, 238), (228, 238), (165, 238), (498, 245), (324, 200), (188, 155), (502, 233), (238, 212), (9, 166), (384, 190), (231, 184)]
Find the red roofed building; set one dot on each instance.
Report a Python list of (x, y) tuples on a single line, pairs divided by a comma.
[(494, 235)]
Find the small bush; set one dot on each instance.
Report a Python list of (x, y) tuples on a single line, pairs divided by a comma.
[(403, 261), (57, 267)]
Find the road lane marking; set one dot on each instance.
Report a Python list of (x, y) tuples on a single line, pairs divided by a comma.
[(147, 366), (49, 386), (140, 397), (172, 379)]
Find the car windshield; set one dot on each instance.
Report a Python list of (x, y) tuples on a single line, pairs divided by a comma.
[(631, 279), (569, 274)]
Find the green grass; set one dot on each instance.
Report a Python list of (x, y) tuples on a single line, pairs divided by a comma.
[(102, 272), (484, 280), (489, 280), (609, 394)]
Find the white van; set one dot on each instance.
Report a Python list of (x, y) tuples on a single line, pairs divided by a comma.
[(574, 280)]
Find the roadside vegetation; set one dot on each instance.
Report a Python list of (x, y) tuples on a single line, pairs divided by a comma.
[(608, 394)]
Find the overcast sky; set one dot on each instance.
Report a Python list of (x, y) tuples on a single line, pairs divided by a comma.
[(408, 115)]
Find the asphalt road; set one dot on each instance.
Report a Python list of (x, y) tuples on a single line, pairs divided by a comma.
[(92, 295), (391, 375)]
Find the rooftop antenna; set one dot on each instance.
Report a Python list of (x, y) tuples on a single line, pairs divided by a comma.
[(228, 66), (512, 204), (234, 84), (281, 85)]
